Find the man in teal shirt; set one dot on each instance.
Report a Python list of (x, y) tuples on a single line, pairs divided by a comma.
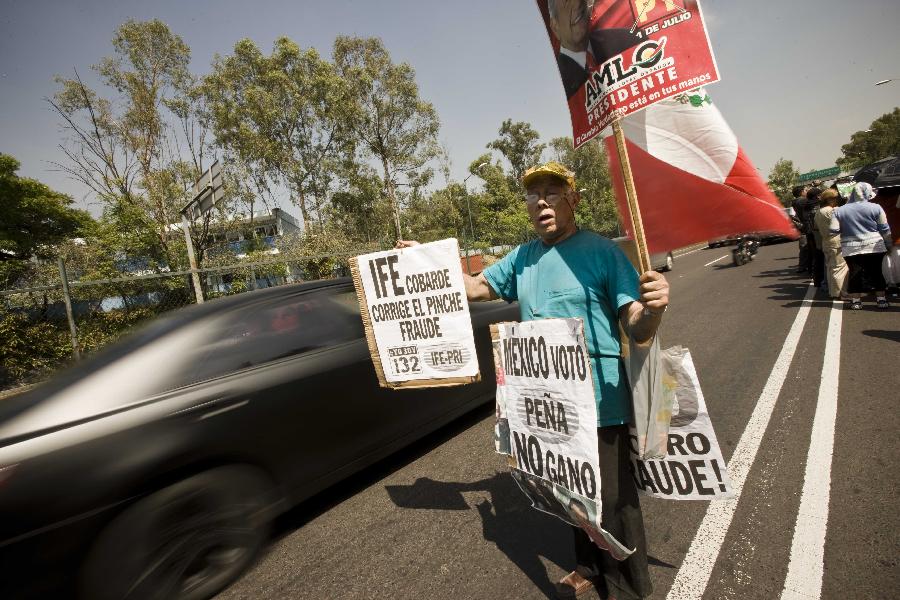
[(568, 272), (586, 276)]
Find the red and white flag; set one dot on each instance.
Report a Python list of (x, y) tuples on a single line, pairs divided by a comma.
[(693, 181)]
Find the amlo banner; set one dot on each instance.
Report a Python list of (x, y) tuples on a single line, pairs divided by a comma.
[(616, 57)]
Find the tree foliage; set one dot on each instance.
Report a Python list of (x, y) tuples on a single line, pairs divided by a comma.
[(33, 217), (34, 221), (782, 179), (518, 143), (137, 144), (283, 116), (880, 140), (394, 126)]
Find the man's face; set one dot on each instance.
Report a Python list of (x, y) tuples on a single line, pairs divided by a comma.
[(551, 206), (571, 24)]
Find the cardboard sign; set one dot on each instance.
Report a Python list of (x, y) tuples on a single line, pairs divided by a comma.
[(693, 468), (547, 421), (416, 316), (625, 55)]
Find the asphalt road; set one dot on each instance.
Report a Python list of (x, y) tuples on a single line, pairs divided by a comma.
[(444, 520)]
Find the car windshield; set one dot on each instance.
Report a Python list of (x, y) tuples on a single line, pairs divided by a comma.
[(263, 332)]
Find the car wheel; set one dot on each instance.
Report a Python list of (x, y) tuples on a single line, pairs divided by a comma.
[(670, 263), (187, 541)]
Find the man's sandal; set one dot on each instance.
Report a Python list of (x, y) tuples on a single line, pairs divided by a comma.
[(572, 586)]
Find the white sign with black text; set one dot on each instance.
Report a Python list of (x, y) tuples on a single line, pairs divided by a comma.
[(693, 468), (547, 421), (417, 312)]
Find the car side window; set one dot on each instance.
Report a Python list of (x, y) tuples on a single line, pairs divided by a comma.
[(256, 334)]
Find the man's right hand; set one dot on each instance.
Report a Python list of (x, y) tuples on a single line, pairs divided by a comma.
[(405, 244)]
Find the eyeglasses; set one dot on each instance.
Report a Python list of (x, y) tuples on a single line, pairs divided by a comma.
[(551, 197)]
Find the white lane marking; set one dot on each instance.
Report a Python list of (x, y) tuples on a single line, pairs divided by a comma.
[(805, 570), (691, 579), (689, 252), (717, 260)]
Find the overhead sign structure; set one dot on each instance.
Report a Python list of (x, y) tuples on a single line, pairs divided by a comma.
[(820, 174), (205, 192), (416, 315), (547, 421), (622, 56)]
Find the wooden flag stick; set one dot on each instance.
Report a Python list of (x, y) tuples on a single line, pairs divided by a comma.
[(637, 224)]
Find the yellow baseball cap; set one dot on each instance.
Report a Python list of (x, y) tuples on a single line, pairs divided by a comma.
[(550, 168)]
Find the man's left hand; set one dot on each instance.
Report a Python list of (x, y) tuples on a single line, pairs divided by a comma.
[(654, 292)]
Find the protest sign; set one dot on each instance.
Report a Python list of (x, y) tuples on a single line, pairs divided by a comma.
[(416, 316), (547, 421), (693, 468), (625, 55)]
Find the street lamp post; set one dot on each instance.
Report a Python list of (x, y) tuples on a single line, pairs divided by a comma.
[(469, 210)]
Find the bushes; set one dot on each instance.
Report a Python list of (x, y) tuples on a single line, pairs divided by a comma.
[(30, 349), (100, 329)]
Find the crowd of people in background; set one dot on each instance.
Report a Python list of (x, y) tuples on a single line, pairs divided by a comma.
[(849, 246)]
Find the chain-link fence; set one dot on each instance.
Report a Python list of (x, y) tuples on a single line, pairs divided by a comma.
[(45, 327)]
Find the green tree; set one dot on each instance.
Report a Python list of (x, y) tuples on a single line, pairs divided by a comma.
[(360, 209), (394, 126), (499, 209), (283, 116), (880, 140), (440, 214), (597, 210), (782, 179), (34, 220), (33, 217), (518, 143)]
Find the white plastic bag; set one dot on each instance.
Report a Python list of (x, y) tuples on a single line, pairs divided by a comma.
[(652, 394)]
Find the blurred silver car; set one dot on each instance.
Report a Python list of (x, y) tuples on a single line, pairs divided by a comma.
[(659, 261)]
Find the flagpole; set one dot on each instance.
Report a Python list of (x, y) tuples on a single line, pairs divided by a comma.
[(637, 224)]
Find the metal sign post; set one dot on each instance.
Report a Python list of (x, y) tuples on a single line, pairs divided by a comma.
[(73, 331), (203, 201), (195, 275)]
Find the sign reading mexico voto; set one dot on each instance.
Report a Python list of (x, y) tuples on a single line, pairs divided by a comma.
[(624, 55), (547, 421), (416, 316)]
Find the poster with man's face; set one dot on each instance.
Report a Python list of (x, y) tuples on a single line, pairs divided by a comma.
[(616, 57)]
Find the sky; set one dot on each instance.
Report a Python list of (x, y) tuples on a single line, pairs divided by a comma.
[(797, 77)]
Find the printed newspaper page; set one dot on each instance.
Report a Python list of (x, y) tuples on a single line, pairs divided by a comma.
[(547, 421), (693, 468)]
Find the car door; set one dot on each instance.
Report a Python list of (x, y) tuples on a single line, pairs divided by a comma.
[(298, 368)]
